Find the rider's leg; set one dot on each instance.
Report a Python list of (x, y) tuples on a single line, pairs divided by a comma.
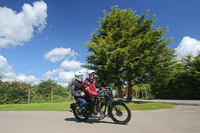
[(91, 105), (82, 103)]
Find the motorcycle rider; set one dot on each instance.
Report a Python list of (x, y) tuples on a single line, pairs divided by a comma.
[(76, 91), (89, 88)]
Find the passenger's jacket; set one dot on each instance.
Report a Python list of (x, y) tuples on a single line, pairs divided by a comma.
[(89, 88), (76, 88)]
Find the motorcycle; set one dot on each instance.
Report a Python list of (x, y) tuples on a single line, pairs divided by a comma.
[(105, 106)]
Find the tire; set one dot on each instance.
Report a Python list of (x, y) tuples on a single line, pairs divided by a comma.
[(120, 109), (78, 117)]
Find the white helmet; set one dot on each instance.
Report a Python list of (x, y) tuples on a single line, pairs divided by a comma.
[(89, 72), (79, 76)]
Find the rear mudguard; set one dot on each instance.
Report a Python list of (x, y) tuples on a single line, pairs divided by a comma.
[(74, 106)]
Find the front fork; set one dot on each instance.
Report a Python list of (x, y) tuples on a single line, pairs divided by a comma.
[(113, 103)]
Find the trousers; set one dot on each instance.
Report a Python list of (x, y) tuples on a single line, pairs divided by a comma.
[(82, 103)]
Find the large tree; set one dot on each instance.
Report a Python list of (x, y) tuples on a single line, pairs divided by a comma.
[(126, 48)]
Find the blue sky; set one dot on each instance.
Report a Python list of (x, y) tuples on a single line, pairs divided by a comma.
[(59, 28)]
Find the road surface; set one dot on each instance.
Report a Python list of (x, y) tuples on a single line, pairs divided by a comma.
[(181, 119), (177, 102)]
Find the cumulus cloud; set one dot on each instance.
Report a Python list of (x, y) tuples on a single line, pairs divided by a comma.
[(23, 78), (67, 69), (188, 46), (5, 69), (17, 28), (71, 65), (49, 74), (66, 77), (7, 73), (58, 54), (63, 84)]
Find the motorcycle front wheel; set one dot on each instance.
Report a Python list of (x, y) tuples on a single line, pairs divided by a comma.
[(120, 113)]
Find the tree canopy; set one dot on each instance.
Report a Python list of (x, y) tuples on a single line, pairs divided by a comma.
[(126, 49)]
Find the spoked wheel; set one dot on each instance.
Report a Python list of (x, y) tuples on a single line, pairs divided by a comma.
[(82, 117), (121, 113)]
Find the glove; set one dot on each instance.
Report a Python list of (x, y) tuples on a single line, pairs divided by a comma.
[(106, 90), (82, 93), (99, 95)]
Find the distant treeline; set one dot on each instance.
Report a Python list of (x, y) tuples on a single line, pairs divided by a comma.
[(181, 82), (17, 92)]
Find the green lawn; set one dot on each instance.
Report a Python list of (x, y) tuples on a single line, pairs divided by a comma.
[(149, 106), (66, 106)]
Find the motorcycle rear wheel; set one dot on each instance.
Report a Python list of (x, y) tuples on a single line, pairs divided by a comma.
[(79, 117)]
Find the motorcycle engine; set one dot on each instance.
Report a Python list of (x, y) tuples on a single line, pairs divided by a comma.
[(100, 116), (102, 99)]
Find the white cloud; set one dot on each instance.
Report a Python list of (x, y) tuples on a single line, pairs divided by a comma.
[(66, 72), (6, 70), (71, 65), (58, 54), (188, 46), (7, 73), (49, 74), (17, 28), (65, 77), (23, 78), (63, 84)]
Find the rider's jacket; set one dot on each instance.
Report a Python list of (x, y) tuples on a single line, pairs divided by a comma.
[(89, 88), (76, 88)]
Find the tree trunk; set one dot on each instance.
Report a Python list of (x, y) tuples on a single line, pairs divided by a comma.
[(120, 90), (129, 91)]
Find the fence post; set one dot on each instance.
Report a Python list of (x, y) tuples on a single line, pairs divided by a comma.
[(29, 95), (69, 97), (52, 95)]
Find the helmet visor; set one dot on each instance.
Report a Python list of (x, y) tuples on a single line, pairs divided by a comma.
[(80, 77), (91, 76)]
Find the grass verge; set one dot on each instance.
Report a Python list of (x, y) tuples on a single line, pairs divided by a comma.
[(66, 106)]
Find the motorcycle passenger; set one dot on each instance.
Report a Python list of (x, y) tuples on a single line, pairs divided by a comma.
[(89, 88), (77, 91)]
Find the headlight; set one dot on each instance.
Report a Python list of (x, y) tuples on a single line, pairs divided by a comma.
[(113, 93)]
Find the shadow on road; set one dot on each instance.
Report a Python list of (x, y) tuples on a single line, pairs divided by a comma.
[(89, 121)]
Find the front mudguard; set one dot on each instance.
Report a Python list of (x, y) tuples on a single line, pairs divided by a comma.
[(118, 102)]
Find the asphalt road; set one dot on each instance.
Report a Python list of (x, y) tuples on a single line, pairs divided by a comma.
[(181, 119), (177, 102)]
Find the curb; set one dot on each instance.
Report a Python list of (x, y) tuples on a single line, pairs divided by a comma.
[(170, 102)]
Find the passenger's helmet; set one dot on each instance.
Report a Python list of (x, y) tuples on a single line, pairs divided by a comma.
[(79, 76)]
